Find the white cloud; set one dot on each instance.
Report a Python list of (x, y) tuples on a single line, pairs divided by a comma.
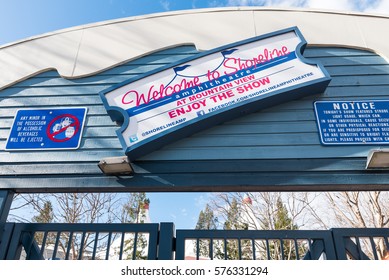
[(370, 6), (202, 200), (267, 3), (184, 212), (341, 5), (173, 216), (165, 4), (381, 7)]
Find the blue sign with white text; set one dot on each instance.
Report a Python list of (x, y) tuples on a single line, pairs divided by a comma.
[(353, 122), (46, 129)]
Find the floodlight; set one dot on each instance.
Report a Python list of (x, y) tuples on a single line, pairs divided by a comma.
[(378, 158), (116, 166)]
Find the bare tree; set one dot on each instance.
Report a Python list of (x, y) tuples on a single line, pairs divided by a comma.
[(78, 208), (265, 211), (361, 210)]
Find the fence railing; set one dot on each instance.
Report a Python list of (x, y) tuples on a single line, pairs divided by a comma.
[(36, 241), (254, 245)]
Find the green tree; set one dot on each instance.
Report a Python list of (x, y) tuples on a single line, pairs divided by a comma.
[(282, 221), (45, 215), (234, 217), (206, 221), (281, 217), (134, 211), (233, 248)]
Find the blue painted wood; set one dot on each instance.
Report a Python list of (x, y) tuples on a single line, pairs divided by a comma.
[(357, 70), (5, 206), (219, 182), (314, 52), (259, 142)]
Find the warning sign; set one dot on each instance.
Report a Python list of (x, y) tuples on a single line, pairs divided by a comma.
[(63, 128), (45, 129)]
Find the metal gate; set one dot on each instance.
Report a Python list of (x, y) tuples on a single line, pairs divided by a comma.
[(35, 241)]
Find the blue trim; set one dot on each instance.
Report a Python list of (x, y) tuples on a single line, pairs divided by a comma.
[(210, 119)]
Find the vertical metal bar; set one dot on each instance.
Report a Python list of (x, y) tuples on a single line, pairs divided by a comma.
[(135, 246), (330, 244), (56, 245), (339, 241), (197, 248), (69, 245), (6, 197), (386, 243), (310, 247), (282, 248), (267, 249), (95, 245), (121, 246), (5, 242), (33, 252), (108, 245), (43, 243), (15, 246), (372, 243), (359, 248), (167, 243), (225, 248), (296, 249), (254, 249), (28, 246), (240, 248), (82, 246), (211, 248)]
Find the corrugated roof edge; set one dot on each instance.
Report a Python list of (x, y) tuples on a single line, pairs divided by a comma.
[(73, 64)]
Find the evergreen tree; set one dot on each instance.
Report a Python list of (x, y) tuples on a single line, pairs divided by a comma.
[(234, 217), (134, 211), (206, 221), (231, 249), (45, 215), (282, 221)]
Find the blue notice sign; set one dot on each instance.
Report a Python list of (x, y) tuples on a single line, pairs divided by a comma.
[(47, 129), (353, 122)]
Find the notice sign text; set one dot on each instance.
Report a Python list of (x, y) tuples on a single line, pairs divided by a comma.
[(353, 122)]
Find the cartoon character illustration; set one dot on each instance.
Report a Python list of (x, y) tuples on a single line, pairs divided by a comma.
[(69, 132), (57, 127), (65, 122)]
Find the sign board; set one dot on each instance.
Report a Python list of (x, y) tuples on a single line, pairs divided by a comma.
[(212, 87), (353, 122), (47, 129)]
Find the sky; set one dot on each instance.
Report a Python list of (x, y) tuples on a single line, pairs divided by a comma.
[(21, 19)]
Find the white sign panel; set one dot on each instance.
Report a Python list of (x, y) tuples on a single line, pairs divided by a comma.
[(212, 87)]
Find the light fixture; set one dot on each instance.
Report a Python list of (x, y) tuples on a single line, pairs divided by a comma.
[(378, 159), (116, 166)]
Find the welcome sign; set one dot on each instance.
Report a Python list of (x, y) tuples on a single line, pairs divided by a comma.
[(212, 87)]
